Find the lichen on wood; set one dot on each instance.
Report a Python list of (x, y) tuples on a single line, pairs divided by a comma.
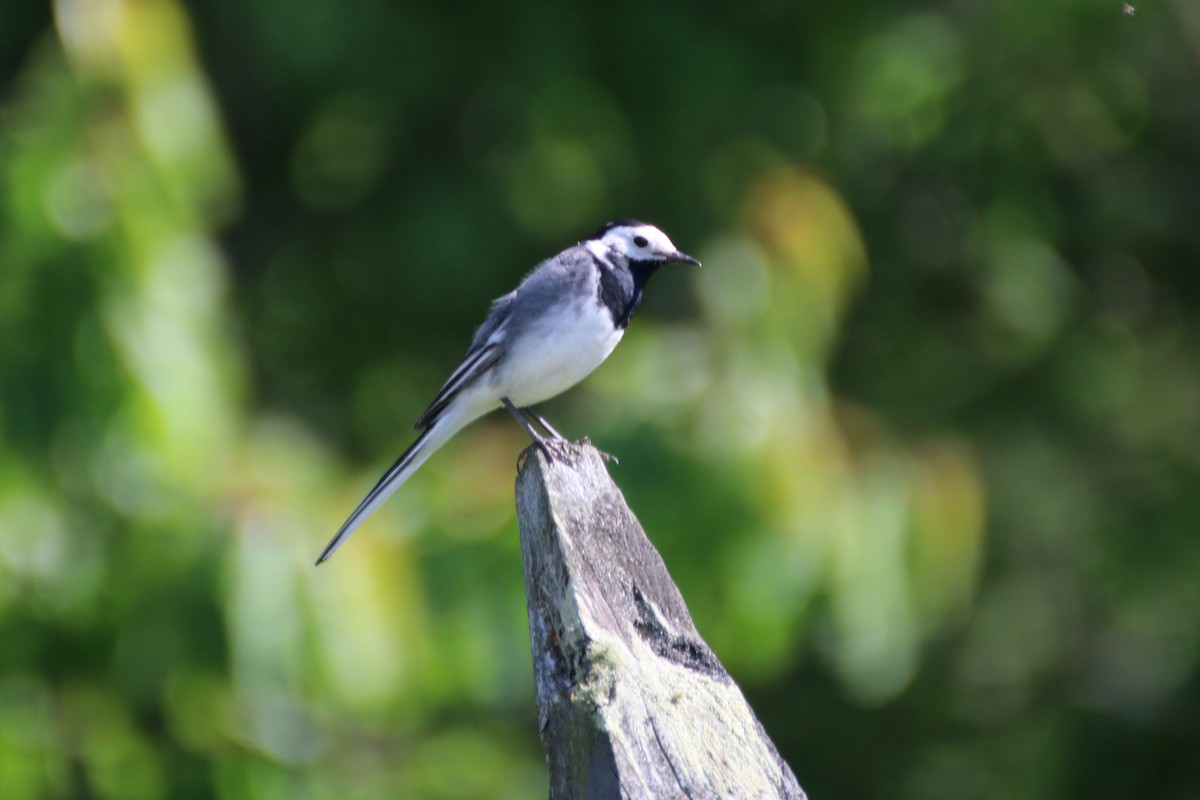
[(632, 703)]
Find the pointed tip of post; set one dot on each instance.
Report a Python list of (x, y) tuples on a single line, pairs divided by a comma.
[(568, 453)]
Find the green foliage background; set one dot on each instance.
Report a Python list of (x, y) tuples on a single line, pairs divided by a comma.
[(920, 443)]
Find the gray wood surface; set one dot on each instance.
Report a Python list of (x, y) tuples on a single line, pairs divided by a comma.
[(631, 701)]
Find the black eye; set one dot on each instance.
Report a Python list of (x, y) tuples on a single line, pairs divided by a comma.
[(640, 241)]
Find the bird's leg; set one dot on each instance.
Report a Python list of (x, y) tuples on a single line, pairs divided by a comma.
[(540, 420), (524, 422), (552, 447)]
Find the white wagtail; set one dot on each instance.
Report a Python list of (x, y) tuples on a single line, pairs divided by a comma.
[(537, 342)]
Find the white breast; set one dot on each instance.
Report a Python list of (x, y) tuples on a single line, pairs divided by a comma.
[(557, 353)]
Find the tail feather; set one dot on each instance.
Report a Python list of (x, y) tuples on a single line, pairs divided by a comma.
[(430, 440)]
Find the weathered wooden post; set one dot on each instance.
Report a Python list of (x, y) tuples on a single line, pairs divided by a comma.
[(632, 703)]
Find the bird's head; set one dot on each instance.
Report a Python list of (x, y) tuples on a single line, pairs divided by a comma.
[(639, 242)]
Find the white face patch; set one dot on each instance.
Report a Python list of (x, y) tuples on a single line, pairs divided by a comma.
[(640, 243)]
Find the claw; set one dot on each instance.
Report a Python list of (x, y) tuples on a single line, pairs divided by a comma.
[(608, 457)]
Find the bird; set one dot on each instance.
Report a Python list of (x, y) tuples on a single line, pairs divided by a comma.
[(539, 340)]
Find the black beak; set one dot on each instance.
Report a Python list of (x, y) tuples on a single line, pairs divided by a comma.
[(683, 258)]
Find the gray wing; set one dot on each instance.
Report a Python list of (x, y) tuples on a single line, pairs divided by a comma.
[(552, 282), (481, 356), (569, 277), (497, 316)]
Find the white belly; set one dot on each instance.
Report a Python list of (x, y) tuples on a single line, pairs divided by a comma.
[(552, 357)]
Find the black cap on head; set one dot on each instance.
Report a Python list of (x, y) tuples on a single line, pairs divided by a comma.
[(616, 223)]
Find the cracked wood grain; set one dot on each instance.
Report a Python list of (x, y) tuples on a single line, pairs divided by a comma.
[(632, 703)]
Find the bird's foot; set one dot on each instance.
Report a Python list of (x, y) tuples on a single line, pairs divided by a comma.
[(561, 450), (608, 457), (557, 450), (553, 449)]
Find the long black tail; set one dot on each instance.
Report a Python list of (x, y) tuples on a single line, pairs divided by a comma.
[(412, 458)]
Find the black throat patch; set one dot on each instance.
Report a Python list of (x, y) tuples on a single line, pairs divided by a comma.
[(620, 287)]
